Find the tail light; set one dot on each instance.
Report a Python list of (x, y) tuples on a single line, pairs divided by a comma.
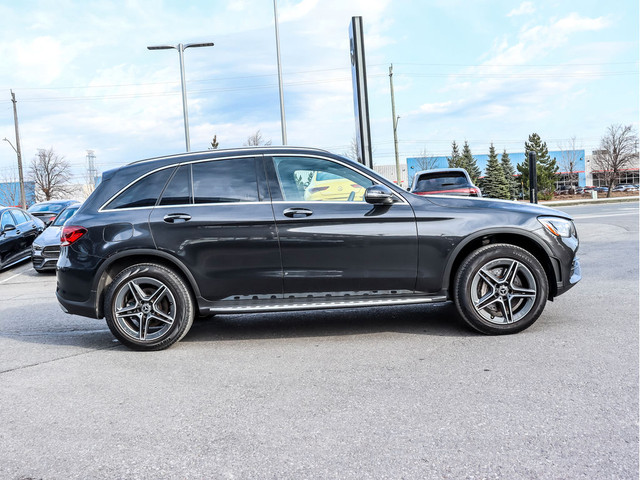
[(70, 234), (317, 189)]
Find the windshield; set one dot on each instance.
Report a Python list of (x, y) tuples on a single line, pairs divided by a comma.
[(64, 216), (46, 207)]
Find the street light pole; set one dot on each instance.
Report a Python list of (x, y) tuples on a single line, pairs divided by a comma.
[(181, 48), (283, 123), (395, 126)]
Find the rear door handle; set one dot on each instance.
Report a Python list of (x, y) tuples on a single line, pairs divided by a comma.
[(297, 212), (177, 217)]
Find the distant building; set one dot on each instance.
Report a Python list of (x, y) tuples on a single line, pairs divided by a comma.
[(10, 193)]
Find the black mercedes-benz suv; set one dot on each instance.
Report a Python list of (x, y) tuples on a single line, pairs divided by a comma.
[(271, 229)]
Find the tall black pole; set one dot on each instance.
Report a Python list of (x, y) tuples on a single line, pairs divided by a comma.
[(533, 178)]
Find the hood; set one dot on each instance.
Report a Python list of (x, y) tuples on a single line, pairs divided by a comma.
[(472, 202), (50, 236)]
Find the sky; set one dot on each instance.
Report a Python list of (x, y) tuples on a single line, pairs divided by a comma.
[(480, 71)]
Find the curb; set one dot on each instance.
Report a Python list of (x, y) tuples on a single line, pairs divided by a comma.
[(589, 201)]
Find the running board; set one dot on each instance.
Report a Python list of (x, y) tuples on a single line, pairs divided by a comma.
[(306, 305)]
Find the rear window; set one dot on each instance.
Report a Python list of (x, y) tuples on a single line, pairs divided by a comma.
[(440, 181)]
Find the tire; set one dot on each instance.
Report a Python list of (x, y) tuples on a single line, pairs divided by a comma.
[(500, 289), (148, 307)]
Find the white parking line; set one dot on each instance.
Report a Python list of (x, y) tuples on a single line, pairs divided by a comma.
[(580, 217), (16, 275)]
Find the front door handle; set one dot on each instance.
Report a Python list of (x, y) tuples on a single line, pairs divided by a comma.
[(177, 217), (297, 212)]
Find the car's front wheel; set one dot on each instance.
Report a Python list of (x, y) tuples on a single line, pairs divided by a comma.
[(500, 289), (148, 307)]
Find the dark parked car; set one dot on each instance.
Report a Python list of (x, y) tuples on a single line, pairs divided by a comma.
[(18, 230), (46, 248), (233, 231), (49, 210), (444, 181)]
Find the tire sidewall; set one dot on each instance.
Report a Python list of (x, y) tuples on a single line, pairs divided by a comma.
[(470, 267)]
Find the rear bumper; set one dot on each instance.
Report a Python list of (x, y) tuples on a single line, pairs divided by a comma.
[(85, 308)]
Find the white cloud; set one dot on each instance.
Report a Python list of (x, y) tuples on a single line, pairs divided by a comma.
[(525, 8)]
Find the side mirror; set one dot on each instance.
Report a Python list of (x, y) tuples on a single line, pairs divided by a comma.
[(8, 227), (378, 195)]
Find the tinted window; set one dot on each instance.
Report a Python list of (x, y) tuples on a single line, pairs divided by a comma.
[(440, 181), (20, 216), (64, 216), (178, 191), (224, 181), (143, 193), (317, 179), (7, 219)]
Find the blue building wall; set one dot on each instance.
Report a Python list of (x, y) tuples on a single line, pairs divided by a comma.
[(516, 158), (10, 193)]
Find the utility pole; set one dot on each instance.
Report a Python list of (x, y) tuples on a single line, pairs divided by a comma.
[(23, 199), (395, 126), (283, 123), (91, 159)]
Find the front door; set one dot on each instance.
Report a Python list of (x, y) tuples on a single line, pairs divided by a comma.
[(332, 241)]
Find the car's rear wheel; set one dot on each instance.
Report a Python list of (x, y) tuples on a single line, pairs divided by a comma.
[(500, 289), (148, 307)]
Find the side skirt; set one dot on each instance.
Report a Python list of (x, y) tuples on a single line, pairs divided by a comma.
[(315, 304)]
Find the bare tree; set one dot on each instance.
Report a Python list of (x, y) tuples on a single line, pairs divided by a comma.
[(618, 148), (426, 161), (51, 174), (569, 160), (214, 143), (353, 152), (256, 140), (9, 190)]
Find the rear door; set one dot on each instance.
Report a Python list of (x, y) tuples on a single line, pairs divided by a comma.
[(332, 241), (215, 216)]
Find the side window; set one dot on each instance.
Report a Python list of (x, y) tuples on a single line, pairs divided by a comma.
[(19, 216), (224, 181), (318, 179), (178, 191), (7, 219), (143, 193)]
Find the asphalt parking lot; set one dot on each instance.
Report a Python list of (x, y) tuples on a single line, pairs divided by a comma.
[(394, 392)]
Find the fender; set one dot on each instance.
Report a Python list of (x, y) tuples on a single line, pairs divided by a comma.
[(496, 231), (147, 252)]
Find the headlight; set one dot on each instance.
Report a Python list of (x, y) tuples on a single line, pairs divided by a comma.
[(36, 247), (560, 227)]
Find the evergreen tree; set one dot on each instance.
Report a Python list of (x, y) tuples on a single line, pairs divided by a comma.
[(546, 167), (509, 175), (455, 161), (495, 184), (469, 163)]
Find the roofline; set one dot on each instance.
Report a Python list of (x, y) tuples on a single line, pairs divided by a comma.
[(246, 149)]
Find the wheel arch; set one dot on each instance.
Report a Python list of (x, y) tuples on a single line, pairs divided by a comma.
[(519, 238), (118, 262)]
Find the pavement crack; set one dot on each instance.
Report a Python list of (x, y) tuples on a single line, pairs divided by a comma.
[(22, 367)]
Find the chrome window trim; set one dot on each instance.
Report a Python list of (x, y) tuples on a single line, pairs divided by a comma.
[(173, 165), (364, 174)]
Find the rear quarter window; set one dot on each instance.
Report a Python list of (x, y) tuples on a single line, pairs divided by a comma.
[(143, 193)]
